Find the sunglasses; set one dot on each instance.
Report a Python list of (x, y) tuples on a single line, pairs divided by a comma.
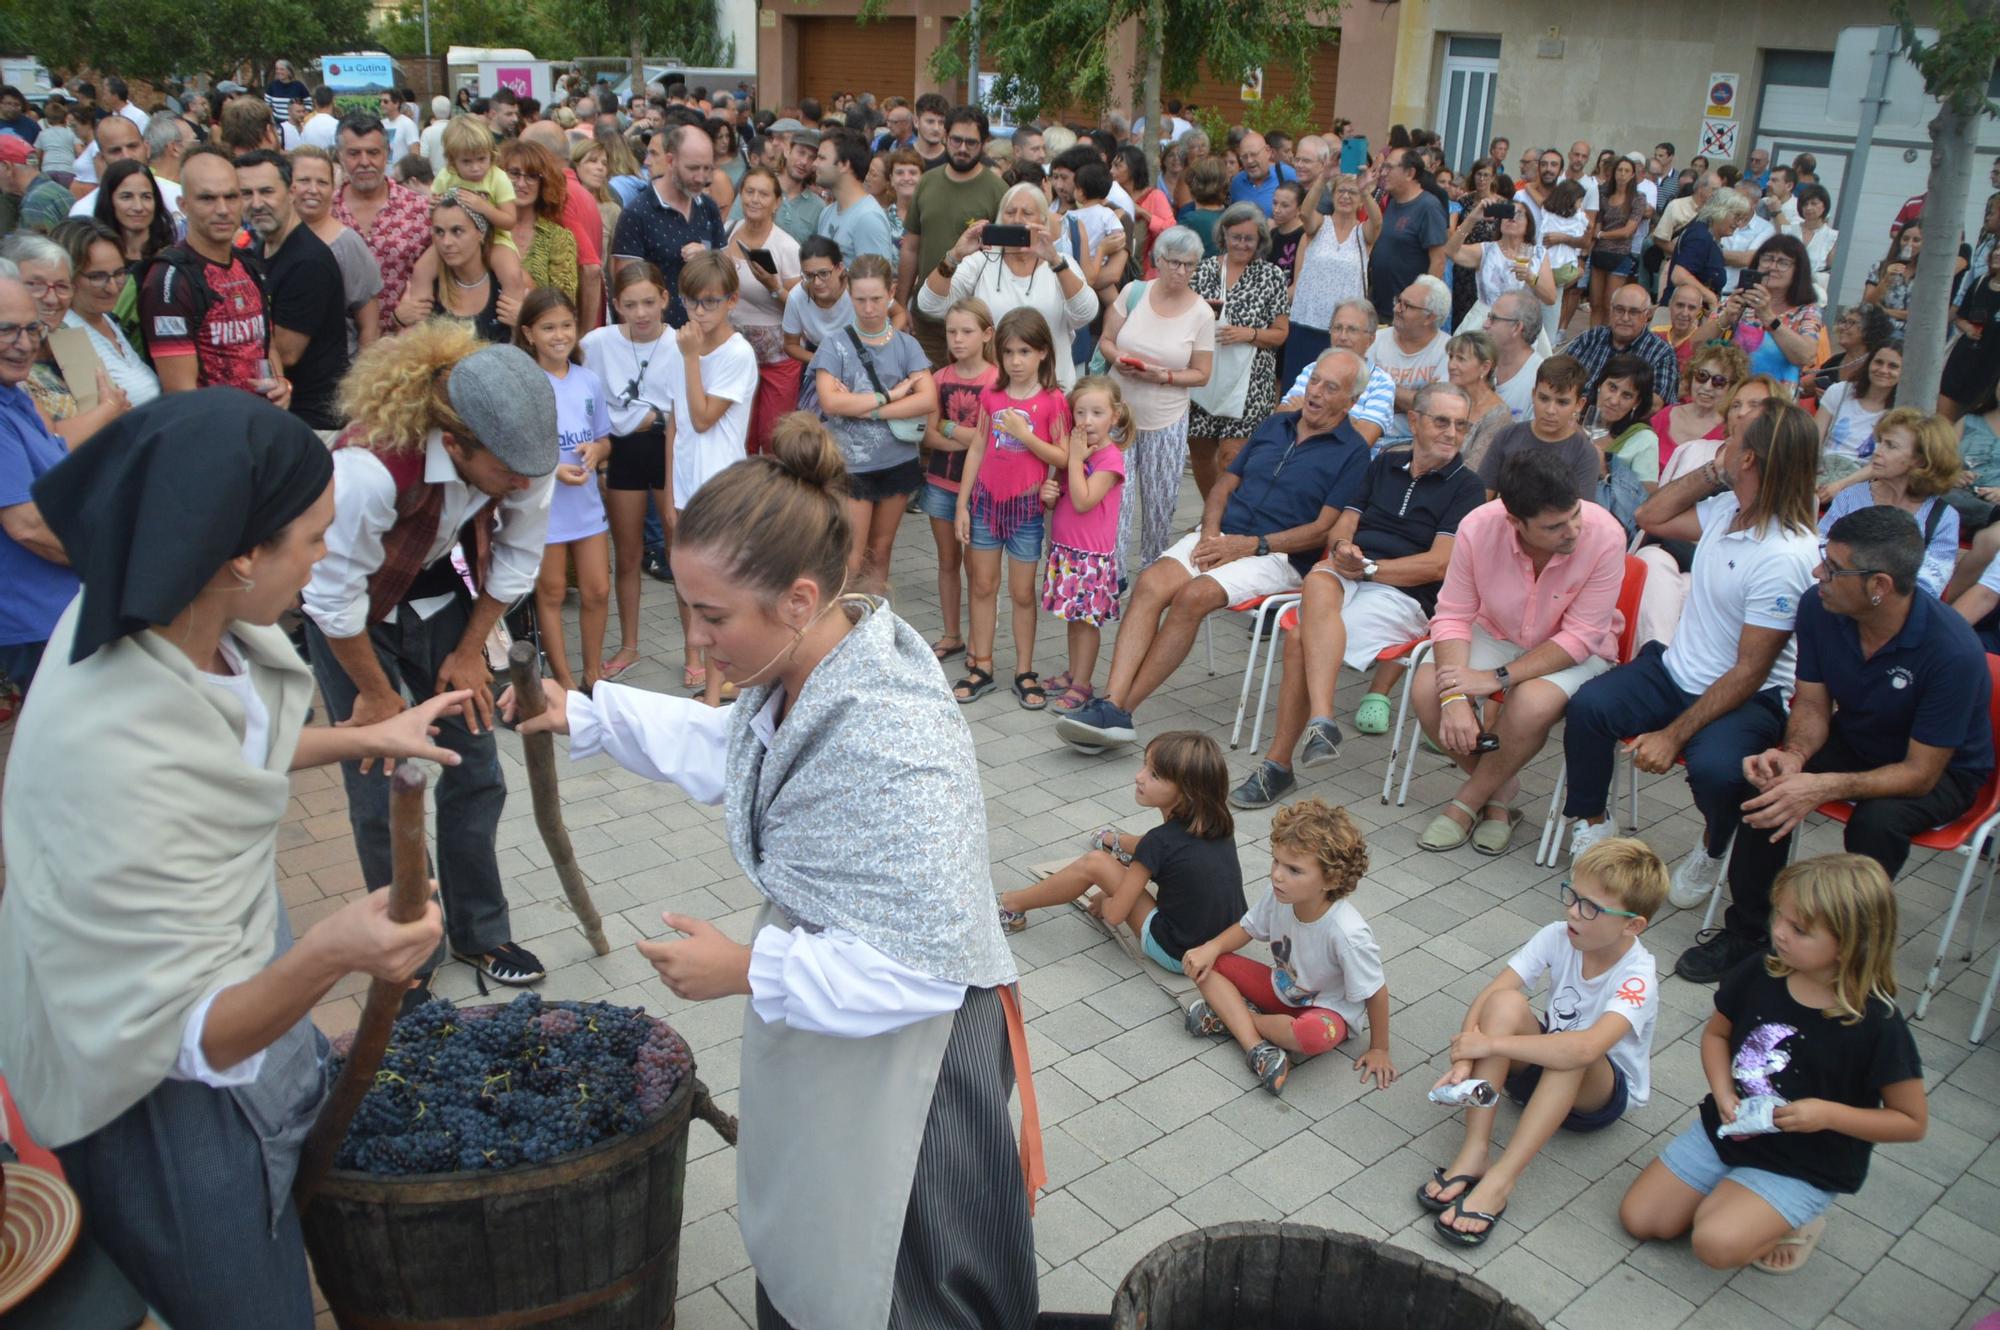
[(1708, 377)]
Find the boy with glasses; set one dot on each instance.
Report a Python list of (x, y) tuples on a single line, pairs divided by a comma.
[(1577, 1065)]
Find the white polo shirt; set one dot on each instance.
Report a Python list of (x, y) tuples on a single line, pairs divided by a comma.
[(1752, 577)]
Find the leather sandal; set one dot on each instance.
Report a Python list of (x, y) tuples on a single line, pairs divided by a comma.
[(1444, 834)]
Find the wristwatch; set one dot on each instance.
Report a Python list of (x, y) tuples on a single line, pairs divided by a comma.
[(1500, 676), (1263, 544), (1368, 567)]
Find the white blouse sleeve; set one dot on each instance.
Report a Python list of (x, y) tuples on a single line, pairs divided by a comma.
[(1077, 310), (675, 739), (192, 1064), (833, 983)]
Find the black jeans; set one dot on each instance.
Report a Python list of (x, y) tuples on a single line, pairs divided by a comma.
[(1879, 828), (469, 796)]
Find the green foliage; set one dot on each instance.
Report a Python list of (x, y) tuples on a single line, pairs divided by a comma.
[(559, 30), (523, 23), (1292, 113), (1958, 66), (1058, 52), (156, 38)]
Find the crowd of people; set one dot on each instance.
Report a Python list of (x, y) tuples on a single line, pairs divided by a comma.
[(1583, 432)]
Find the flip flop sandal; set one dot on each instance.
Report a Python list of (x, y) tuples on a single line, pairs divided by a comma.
[(976, 684), (1806, 1239), (1432, 1203), (613, 671), (1491, 836), (947, 648), (1452, 1237), (1444, 834), (1372, 716), (1073, 696), (1031, 696)]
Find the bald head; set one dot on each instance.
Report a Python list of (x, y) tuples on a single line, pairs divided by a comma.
[(550, 135), (1255, 154), (118, 139)]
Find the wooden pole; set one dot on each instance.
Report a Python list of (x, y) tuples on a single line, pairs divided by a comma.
[(409, 892), (525, 667)]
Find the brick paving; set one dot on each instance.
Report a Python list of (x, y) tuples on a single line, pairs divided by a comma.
[(1151, 1133)]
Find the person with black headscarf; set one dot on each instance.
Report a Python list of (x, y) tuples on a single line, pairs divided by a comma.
[(158, 1033)]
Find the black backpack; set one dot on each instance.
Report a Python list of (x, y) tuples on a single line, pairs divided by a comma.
[(185, 265)]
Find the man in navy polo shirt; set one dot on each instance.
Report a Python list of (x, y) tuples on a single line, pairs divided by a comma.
[(672, 219), (1376, 589), (1265, 523), (33, 567), (1891, 712)]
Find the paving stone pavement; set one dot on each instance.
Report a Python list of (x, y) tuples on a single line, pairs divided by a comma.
[(1151, 1133)]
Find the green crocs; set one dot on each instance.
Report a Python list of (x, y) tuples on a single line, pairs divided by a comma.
[(1372, 716)]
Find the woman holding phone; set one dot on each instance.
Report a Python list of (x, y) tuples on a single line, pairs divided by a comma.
[(1513, 261), (767, 268)]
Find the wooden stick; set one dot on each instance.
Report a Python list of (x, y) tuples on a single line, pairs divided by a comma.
[(409, 893), (525, 667)]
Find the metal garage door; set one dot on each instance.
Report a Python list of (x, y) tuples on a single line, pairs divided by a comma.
[(841, 55)]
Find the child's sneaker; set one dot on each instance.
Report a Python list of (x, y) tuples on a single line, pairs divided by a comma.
[(1202, 1020), (1013, 920), (1270, 1065)]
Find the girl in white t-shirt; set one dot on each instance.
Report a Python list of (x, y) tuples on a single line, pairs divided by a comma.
[(578, 529), (1580, 1062), (1327, 971), (1848, 412)]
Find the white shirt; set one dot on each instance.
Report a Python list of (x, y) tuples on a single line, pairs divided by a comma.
[(170, 190), (1754, 232), (1754, 577), (135, 115), (1428, 365), (431, 143), (193, 1064), (1629, 989), (638, 377), (1589, 186), (1519, 392), (1852, 433), (337, 596), (1332, 962), (829, 982), (293, 138), (1095, 221), (124, 366), (1651, 192), (402, 137), (320, 130), (1121, 199), (730, 373)]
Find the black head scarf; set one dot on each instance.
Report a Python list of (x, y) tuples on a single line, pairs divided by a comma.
[(155, 502)]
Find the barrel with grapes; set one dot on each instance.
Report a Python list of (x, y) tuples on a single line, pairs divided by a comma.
[(513, 1166)]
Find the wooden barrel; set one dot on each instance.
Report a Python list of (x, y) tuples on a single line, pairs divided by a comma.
[(1264, 1276), (590, 1241)]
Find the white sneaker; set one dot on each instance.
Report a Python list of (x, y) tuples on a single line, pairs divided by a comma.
[(1695, 879), (1587, 835)]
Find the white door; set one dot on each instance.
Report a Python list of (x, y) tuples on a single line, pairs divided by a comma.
[(1466, 81)]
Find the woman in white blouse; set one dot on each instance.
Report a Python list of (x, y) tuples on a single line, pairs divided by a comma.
[(1033, 276), (97, 264)]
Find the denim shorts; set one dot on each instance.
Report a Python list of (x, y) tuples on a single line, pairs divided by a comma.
[(1691, 1157), (1152, 947), (1522, 1084), (939, 504), (1025, 545)]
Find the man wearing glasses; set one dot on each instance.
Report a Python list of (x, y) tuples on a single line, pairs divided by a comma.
[(1389, 550), (1412, 240), (1890, 712), (1515, 325), (1628, 335), (1353, 329), (33, 567)]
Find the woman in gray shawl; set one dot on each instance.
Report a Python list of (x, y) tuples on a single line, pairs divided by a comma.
[(157, 1032), (878, 1177)]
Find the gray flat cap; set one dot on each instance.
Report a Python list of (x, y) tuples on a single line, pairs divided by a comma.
[(510, 406)]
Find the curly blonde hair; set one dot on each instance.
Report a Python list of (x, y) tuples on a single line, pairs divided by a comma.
[(1328, 834), (395, 393)]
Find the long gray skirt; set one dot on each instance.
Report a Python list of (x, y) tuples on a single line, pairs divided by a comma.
[(968, 1254), (173, 1190)]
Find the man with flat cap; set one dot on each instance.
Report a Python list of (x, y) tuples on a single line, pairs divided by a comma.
[(451, 450)]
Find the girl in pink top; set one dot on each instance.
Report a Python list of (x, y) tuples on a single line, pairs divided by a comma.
[(1081, 584), (1000, 503), (968, 340)]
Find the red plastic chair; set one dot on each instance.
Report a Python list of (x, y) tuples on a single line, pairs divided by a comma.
[(1629, 592)]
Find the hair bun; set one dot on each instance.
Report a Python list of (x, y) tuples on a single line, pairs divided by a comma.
[(804, 450)]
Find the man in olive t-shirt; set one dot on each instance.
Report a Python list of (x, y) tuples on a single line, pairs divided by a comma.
[(948, 201)]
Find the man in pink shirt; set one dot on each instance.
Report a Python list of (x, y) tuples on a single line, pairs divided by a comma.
[(1529, 607)]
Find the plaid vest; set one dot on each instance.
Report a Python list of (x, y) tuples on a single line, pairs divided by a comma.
[(419, 506)]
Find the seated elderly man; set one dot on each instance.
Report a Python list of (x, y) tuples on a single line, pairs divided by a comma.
[(1529, 607), (1389, 553), (1411, 350), (1265, 523), (1354, 330), (1628, 335)]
